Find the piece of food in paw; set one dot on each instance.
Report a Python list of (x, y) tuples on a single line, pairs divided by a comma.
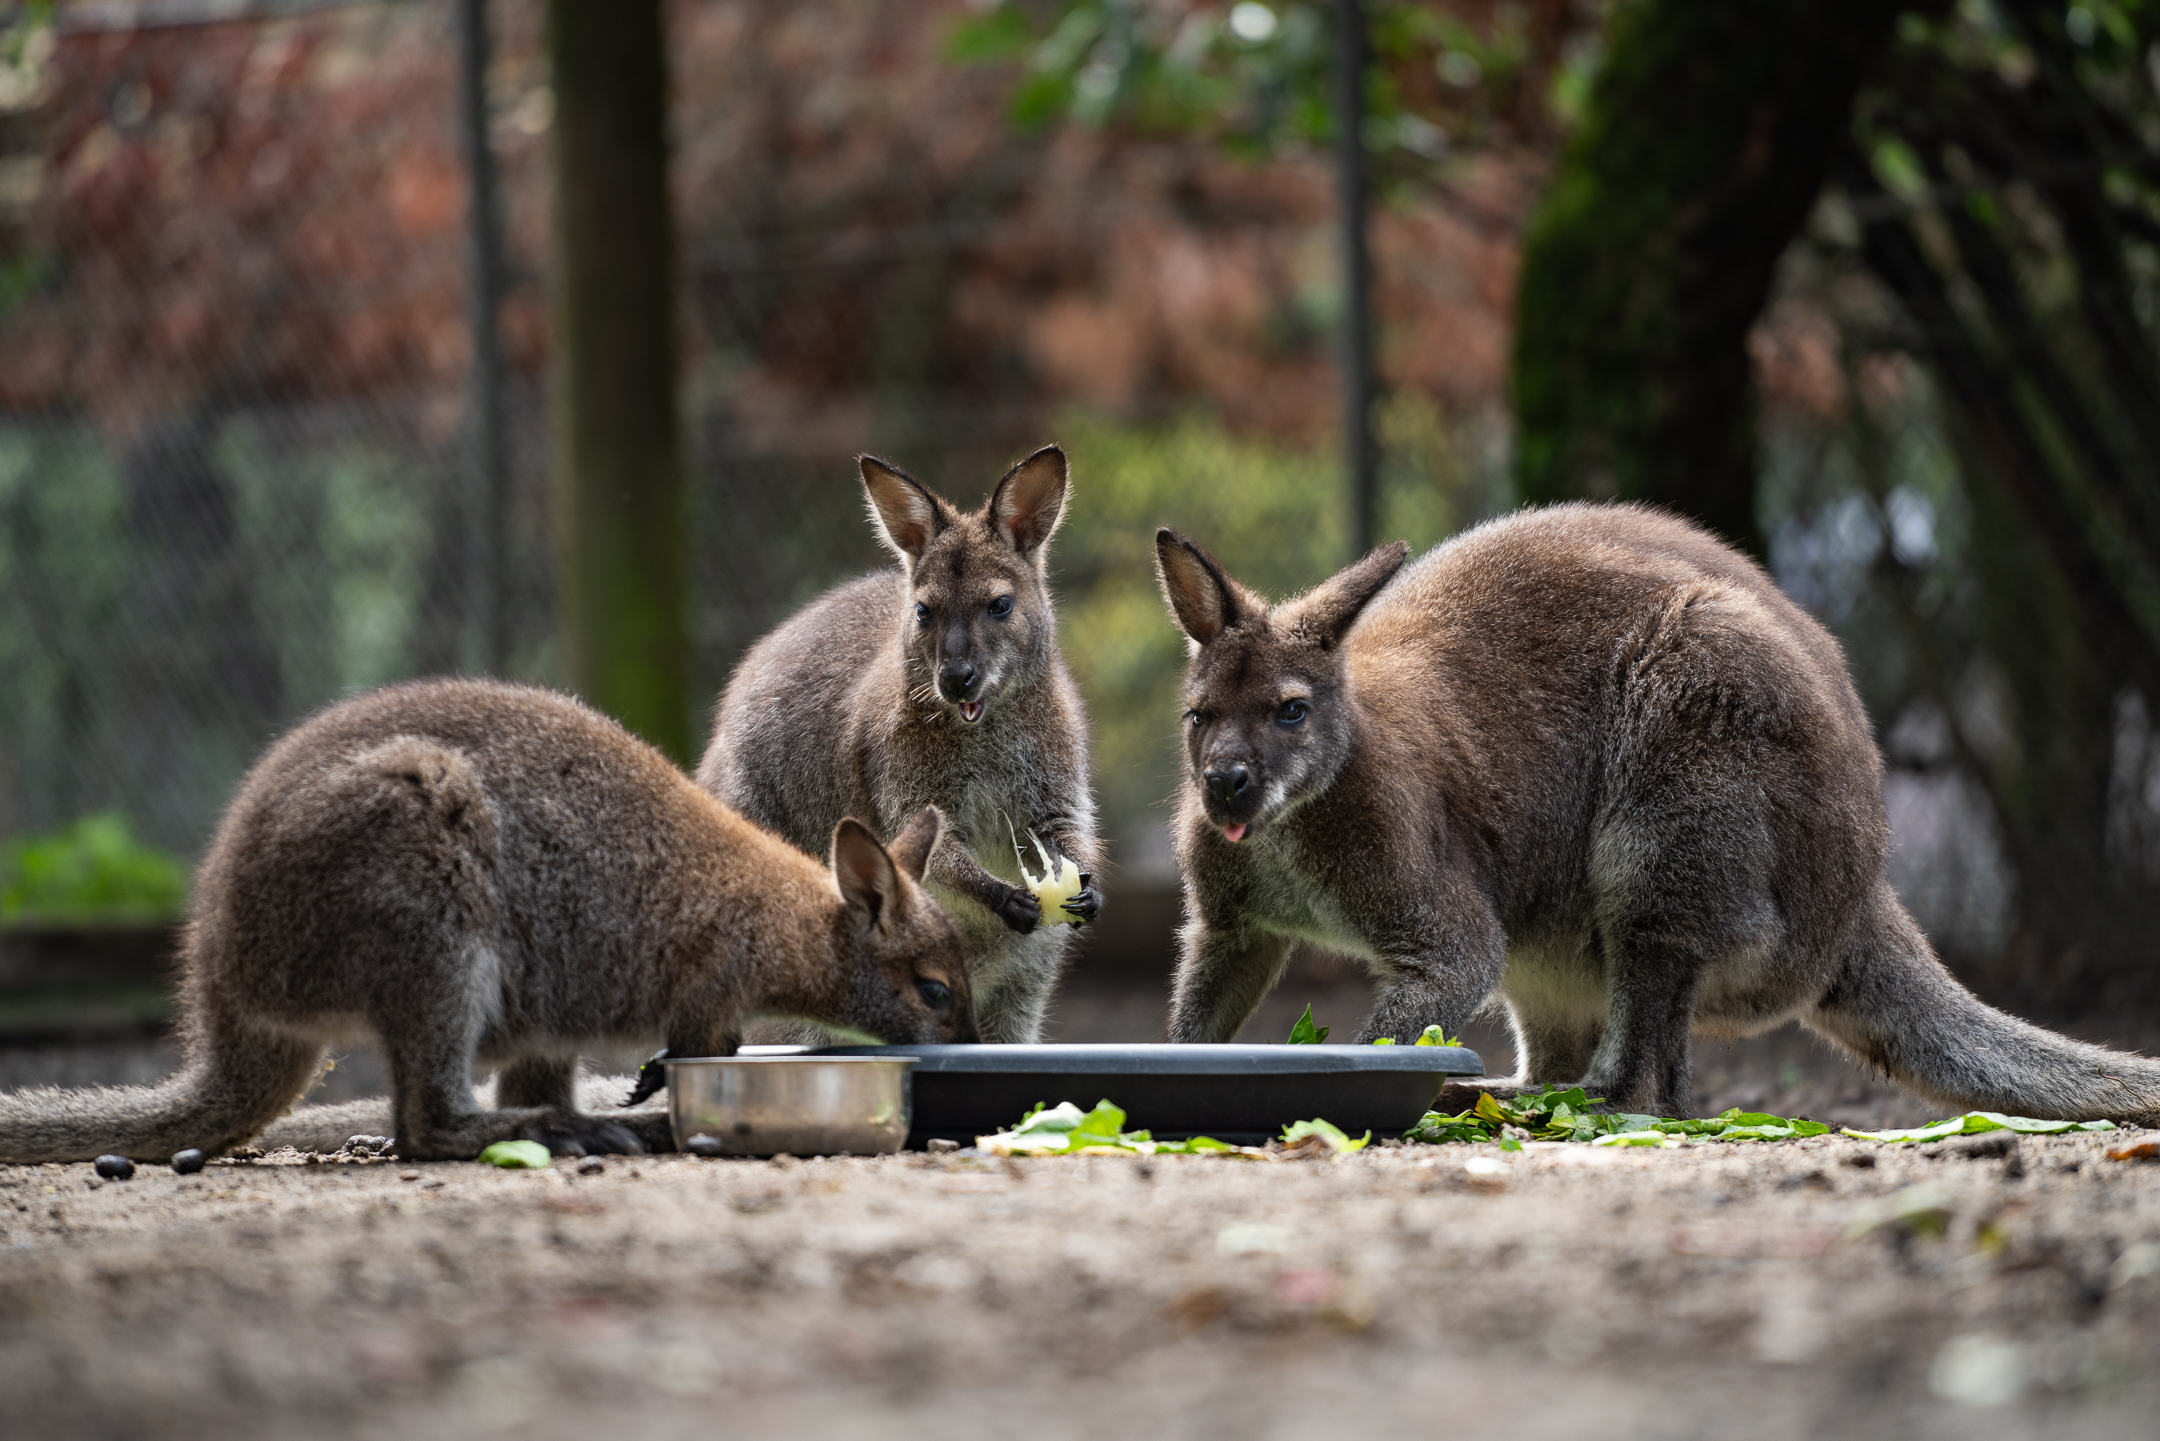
[(1059, 882)]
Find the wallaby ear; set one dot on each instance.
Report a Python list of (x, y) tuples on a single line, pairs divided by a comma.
[(908, 516), (912, 847), (1200, 595), (1028, 503), (864, 870), (1326, 611)]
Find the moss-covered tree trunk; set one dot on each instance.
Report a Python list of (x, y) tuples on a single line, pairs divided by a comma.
[(618, 459), (1706, 138)]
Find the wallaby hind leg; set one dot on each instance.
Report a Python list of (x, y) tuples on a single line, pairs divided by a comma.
[(429, 1035), (1643, 1062), (533, 1081), (1556, 1050)]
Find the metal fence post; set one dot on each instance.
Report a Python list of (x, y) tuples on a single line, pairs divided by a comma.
[(488, 473), (1357, 363)]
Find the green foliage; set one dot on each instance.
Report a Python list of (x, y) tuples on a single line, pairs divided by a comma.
[(1305, 1033), (94, 870), (1565, 1115), (1257, 78)]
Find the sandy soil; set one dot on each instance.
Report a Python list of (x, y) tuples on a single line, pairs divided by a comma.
[(1577, 1292), (1698, 1292)]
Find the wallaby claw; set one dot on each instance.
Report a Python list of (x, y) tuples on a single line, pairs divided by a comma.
[(650, 1078), (1088, 904)]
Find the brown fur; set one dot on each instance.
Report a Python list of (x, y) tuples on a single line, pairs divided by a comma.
[(470, 869), (1589, 761), (854, 707)]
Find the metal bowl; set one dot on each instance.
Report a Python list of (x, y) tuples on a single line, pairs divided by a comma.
[(801, 1105)]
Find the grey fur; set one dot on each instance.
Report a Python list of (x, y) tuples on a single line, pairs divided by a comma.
[(842, 711), (1591, 763), (468, 869)]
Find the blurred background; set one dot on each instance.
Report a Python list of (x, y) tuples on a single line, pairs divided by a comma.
[(342, 343)]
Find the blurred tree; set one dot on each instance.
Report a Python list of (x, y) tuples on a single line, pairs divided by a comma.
[(1705, 139), (2002, 180), (618, 449)]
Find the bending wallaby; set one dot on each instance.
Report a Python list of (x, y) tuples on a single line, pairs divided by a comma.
[(936, 684), (1592, 759), (470, 869)]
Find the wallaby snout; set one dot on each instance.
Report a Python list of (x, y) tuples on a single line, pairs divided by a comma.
[(1231, 793), (957, 678)]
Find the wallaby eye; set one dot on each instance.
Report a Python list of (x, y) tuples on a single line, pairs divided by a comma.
[(1001, 607), (1290, 713), (936, 994), (922, 613)]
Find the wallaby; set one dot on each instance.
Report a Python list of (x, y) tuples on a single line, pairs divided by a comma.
[(470, 869), (935, 684), (1589, 758)]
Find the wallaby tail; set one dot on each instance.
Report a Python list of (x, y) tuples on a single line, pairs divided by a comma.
[(1898, 1009), (232, 1086)]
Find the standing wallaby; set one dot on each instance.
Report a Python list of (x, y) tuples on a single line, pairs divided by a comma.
[(937, 684), (470, 869), (1593, 759)]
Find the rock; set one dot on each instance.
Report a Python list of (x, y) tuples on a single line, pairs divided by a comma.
[(115, 1168), (188, 1162)]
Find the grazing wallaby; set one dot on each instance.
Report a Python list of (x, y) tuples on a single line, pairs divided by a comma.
[(470, 869), (1592, 758), (936, 684)]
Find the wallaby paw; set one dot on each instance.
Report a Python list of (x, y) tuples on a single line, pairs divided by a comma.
[(574, 1134), (1088, 904), (652, 1130), (1020, 911)]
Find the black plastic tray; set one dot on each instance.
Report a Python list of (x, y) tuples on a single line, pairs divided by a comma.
[(1233, 1093)]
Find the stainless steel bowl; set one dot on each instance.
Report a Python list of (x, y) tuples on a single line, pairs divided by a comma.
[(802, 1105)]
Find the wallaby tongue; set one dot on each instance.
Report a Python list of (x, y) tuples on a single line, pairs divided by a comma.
[(1234, 834)]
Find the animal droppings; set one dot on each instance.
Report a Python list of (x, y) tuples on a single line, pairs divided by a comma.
[(188, 1162), (706, 1146), (114, 1168), (591, 1166)]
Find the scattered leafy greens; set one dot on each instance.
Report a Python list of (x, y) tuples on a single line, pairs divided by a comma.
[(517, 1155), (1066, 1130), (1305, 1033), (1325, 1131), (1972, 1123), (1557, 1115)]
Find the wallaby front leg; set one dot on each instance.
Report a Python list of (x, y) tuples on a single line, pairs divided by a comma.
[(954, 865), (1438, 986), (1222, 976)]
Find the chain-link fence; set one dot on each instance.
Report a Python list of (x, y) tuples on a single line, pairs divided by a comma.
[(237, 470)]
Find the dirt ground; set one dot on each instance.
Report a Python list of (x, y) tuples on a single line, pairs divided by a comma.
[(1789, 1291), (1571, 1292)]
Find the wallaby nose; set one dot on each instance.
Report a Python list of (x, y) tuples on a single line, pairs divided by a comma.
[(956, 678), (1227, 786)]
